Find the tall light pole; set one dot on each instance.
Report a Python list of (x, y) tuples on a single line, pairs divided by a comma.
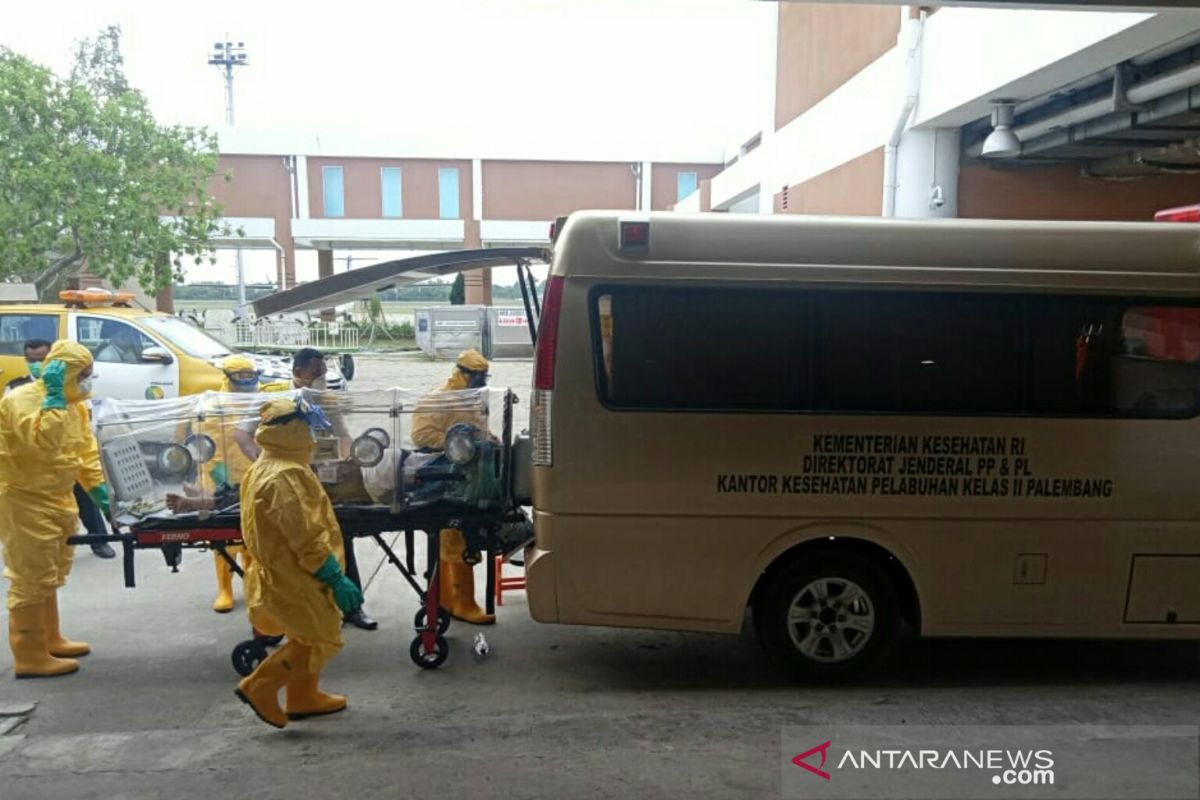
[(227, 56)]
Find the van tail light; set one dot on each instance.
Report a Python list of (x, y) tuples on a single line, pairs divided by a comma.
[(547, 335), (543, 376)]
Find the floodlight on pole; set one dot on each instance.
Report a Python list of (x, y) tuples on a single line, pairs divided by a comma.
[(226, 56)]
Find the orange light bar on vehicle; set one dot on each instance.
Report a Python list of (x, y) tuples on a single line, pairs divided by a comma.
[(94, 297), (1179, 214)]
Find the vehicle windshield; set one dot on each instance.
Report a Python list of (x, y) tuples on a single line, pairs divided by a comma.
[(187, 337)]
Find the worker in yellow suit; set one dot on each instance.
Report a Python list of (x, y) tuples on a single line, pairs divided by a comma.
[(295, 578), (235, 451), (46, 446), (456, 578)]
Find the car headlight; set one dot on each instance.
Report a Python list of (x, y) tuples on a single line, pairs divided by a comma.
[(367, 451), (201, 447), (175, 459), (460, 445)]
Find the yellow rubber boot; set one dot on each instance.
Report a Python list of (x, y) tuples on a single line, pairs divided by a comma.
[(260, 689), (457, 579), (56, 644), (27, 638), (303, 697), (224, 602)]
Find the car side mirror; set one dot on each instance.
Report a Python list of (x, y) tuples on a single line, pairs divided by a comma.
[(157, 355)]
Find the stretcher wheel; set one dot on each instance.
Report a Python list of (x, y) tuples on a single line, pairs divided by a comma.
[(247, 656), (424, 660), (271, 641), (443, 620)]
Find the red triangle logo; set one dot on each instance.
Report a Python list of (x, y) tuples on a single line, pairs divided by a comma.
[(799, 760)]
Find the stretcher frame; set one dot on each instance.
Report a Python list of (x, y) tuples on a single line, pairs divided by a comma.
[(218, 531)]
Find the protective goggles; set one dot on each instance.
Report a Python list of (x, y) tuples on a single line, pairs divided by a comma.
[(312, 416), (474, 377)]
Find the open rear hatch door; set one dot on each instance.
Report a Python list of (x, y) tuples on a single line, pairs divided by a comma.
[(361, 284)]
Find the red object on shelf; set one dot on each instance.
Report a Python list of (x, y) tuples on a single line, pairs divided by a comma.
[(504, 584), (1179, 214)]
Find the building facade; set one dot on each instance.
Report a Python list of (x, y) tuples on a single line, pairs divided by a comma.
[(885, 110), (289, 202)]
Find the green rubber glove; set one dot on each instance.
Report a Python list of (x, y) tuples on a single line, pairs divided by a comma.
[(219, 473), (54, 376), (99, 496), (347, 596)]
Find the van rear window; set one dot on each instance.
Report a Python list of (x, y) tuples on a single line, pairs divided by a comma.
[(841, 351)]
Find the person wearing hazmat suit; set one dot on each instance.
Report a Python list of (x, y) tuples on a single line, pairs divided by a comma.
[(235, 451), (456, 578), (46, 446), (295, 580)]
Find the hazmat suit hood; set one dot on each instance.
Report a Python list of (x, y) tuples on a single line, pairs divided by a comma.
[(292, 441), (236, 363), (472, 360), (77, 358)]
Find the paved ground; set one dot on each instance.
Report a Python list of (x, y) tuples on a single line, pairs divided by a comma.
[(553, 712)]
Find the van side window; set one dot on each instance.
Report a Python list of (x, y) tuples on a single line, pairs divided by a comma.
[(1072, 341), (1157, 370), (15, 329), (896, 352), (113, 341), (913, 352), (703, 349)]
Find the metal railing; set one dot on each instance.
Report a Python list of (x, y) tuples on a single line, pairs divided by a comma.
[(289, 335)]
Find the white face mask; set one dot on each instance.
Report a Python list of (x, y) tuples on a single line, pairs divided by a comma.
[(318, 384), (85, 385)]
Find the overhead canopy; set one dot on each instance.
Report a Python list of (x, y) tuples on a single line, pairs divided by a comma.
[(368, 281), (1106, 5)]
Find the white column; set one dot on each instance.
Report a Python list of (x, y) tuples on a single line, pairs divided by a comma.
[(302, 185), (647, 169), (927, 173), (477, 187)]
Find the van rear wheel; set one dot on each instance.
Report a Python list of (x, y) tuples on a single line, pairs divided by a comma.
[(827, 616)]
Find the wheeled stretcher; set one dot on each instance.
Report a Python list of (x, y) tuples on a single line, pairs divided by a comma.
[(149, 455)]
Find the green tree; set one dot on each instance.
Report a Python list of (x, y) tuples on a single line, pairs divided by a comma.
[(458, 292), (88, 177)]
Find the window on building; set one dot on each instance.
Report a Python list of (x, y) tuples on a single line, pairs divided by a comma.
[(393, 201), (15, 329), (448, 193), (685, 184), (335, 200)]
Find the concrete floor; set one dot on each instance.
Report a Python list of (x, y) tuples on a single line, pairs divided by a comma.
[(552, 712)]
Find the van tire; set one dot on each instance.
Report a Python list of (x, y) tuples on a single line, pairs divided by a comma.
[(812, 591)]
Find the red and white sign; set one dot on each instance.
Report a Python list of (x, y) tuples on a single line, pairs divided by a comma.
[(511, 320)]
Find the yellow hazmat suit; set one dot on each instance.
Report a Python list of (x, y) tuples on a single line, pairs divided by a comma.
[(44, 451), (290, 530), (456, 578), (230, 464)]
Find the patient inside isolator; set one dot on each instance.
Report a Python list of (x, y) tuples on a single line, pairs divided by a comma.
[(179, 455)]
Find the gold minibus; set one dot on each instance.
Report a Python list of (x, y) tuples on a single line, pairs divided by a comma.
[(853, 426)]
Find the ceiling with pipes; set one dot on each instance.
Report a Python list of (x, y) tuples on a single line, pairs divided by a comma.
[(1137, 118)]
